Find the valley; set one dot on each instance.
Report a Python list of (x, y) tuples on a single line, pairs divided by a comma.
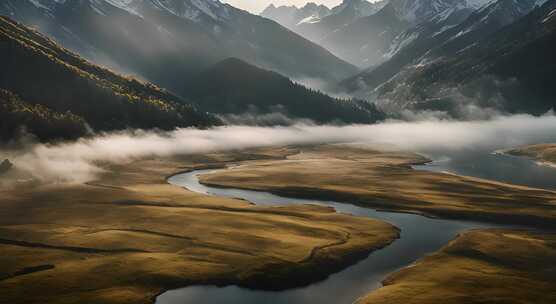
[(386, 181), (130, 213), (130, 235), (331, 152)]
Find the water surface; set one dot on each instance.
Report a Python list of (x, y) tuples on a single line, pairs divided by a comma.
[(419, 236), (498, 167)]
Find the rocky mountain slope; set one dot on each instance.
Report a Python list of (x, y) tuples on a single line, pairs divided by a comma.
[(441, 36), (322, 28), (342, 15), (291, 16), (508, 71), (371, 40)]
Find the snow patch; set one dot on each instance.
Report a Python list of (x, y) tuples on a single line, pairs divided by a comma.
[(310, 20), (399, 43), (477, 4), (549, 16), (96, 5), (39, 5), (193, 10), (443, 29), (125, 5)]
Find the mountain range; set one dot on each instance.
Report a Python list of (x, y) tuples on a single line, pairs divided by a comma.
[(439, 55), (365, 33), (203, 62), (52, 93), (461, 65), (168, 42), (291, 16), (321, 25), (443, 34), (345, 13)]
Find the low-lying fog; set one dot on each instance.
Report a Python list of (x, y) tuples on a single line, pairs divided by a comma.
[(76, 161)]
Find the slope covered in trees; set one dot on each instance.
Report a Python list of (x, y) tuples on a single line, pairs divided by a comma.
[(18, 116), (236, 87), (50, 79)]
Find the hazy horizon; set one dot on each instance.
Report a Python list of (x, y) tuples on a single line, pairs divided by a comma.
[(256, 6)]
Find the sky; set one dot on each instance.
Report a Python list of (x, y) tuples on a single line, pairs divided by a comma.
[(256, 6)]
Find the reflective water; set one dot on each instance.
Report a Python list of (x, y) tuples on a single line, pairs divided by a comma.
[(498, 167), (419, 236)]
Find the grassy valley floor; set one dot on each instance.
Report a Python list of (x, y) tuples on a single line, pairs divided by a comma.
[(385, 180), (130, 235), (544, 153), (481, 266)]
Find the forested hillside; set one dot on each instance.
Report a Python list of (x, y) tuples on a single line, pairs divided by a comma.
[(50, 79), (236, 87), (19, 117)]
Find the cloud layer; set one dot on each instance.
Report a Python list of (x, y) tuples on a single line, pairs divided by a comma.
[(78, 161)]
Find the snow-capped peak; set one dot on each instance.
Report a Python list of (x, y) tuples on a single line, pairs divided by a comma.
[(193, 10), (415, 11), (510, 9), (125, 5), (359, 8), (46, 4), (477, 4)]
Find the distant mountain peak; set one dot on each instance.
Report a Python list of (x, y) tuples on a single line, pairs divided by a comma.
[(290, 16), (194, 10), (415, 11), (476, 4), (312, 5), (359, 8)]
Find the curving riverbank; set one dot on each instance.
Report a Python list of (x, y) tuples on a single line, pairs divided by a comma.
[(419, 236), (480, 266), (386, 181), (324, 177), (130, 235), (543, 154)]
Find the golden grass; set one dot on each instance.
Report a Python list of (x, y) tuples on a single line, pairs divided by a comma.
[(482, 266), (385, 180), (545, 153), (130, 235)]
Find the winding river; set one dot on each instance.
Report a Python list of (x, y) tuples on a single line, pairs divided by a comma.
[(419, 236)]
